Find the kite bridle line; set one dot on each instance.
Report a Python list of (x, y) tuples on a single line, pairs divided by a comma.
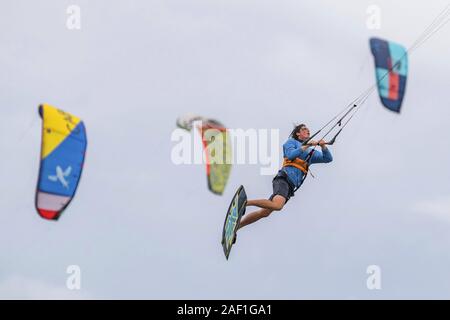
[(438, 23), (351, 109)]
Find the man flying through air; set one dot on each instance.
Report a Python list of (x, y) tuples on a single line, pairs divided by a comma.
[(297, 158)]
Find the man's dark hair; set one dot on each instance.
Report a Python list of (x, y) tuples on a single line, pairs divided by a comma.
[(296, 130)]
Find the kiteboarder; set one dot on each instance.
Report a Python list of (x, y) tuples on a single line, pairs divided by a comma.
[(297, 158)]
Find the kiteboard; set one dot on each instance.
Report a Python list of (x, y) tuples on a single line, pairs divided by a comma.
[(234, 214)]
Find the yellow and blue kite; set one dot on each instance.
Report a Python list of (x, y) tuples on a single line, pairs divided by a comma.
[(63, 152)]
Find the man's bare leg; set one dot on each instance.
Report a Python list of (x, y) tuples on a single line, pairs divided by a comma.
[(254, 216), (275, 204), (267, 207)]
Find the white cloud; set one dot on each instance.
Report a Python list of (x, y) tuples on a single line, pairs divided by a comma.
[(439, 208), (19, 287)]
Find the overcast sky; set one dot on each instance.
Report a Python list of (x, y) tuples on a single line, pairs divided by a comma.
[(142, 227)]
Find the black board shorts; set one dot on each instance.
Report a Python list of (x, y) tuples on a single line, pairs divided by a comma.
[(282, 186)]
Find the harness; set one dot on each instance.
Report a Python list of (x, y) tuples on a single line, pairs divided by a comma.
[(300, 164)]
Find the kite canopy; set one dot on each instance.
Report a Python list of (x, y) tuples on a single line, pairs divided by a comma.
[(63, 151), (391, 63), (217, 147)]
